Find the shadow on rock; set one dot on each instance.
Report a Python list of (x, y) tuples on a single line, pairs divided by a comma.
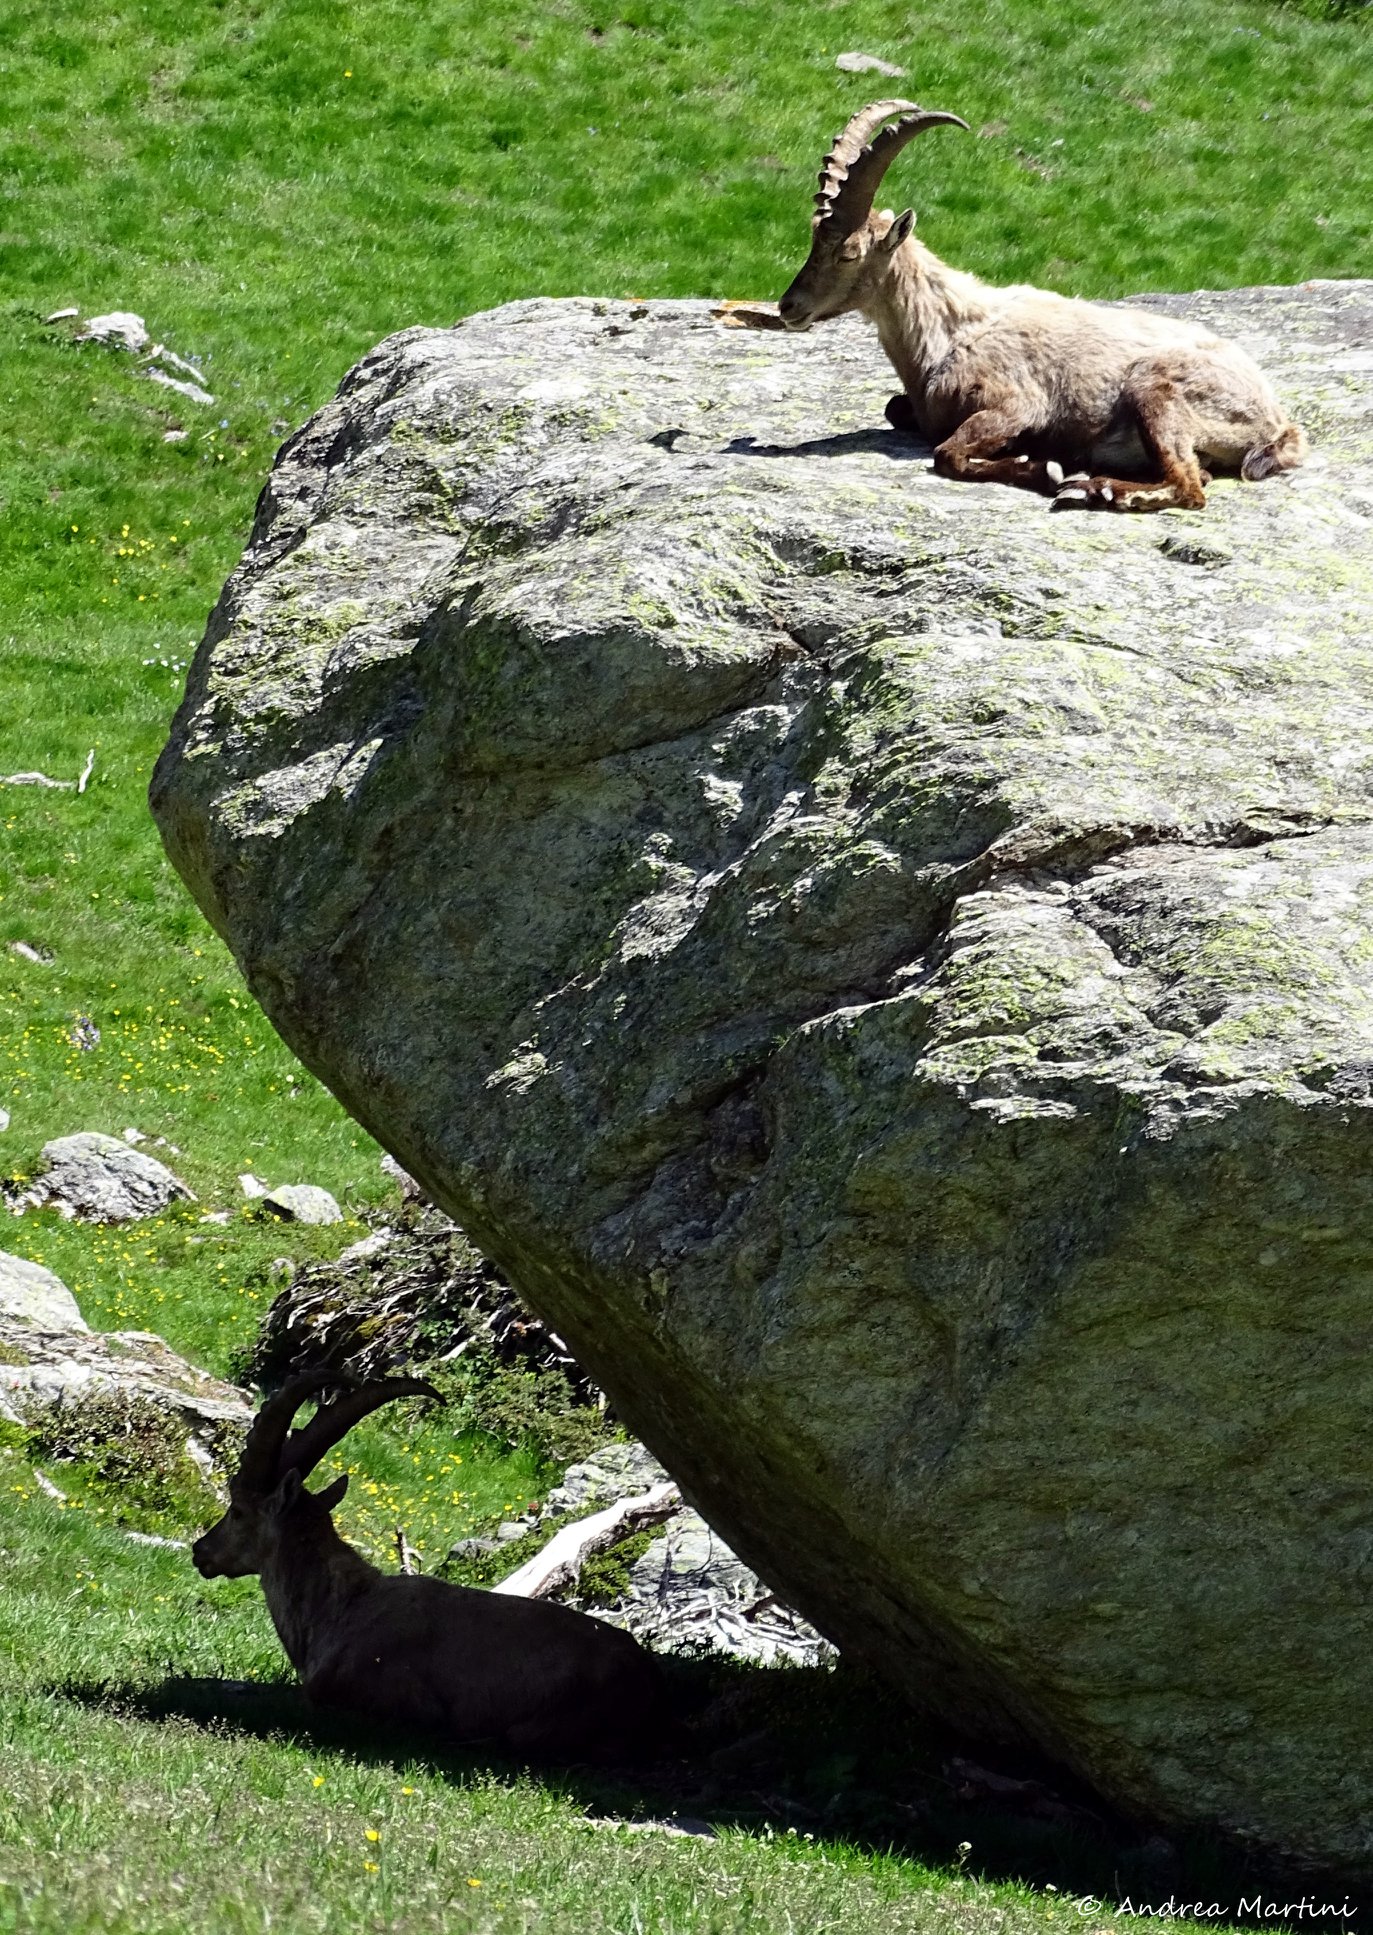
[(900, 448)]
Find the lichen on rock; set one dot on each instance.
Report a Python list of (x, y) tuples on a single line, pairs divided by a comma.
[(885, 971)]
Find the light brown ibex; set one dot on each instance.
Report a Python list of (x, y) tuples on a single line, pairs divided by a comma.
[(525, 1676), (1020, 386)]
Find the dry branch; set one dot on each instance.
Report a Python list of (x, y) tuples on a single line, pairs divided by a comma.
[(562, 1559), (57, 785)]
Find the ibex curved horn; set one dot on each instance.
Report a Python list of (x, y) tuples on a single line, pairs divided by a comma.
[(304, 1449), (259, 1463), (854, 167)]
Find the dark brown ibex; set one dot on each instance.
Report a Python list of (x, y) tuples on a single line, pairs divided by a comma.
[(522, 1675), (1020, 386)]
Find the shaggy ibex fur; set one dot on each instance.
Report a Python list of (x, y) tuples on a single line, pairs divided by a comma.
[(522, 1675), (1019, 386)]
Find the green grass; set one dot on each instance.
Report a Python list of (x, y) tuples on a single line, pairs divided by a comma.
[(275, 188)]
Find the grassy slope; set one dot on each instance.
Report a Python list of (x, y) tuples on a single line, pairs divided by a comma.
[(134, 1807), (275, 188)]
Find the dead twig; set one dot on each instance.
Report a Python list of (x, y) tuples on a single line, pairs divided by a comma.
[(57, 785), (738, 315)]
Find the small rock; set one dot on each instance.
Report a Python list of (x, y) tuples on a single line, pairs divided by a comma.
[(120, 327), (302, 1203), (409, 1188), (472, 1548), (28, 952), (37, 1295), (688, 1592), (4, 1120), (133, 1137), (674, 1824), (101, 1180), (614, 1471), (251, 1187), (217, 1216), (175, 436), (510, 1530), (694, 1556), (1189, 550), (62, 315), (371, 1245), (867, 64), (66, 1378)]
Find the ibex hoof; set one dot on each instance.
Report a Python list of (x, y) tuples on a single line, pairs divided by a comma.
[(1082, 492)]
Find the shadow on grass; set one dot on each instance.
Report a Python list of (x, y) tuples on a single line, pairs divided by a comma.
[(827, 1754)]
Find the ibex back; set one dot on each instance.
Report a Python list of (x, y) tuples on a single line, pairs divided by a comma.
[(524, 1676), (1099, 408)]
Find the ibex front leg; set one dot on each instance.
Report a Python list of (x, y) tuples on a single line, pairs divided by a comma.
[(974, 451)]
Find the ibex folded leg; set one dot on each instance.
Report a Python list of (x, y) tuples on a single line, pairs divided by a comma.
[(1167, 427), (973, 453)]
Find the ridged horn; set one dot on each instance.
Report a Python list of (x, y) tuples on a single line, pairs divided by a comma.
[(853, 169), (304, 1449), (259, 1464)]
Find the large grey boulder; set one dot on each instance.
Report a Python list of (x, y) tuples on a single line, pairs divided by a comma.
[(100, 1179), (886, 970)]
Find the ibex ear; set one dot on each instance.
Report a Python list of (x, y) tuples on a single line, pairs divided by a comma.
[(898, 231), (332, 1495), (288, 1491)]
